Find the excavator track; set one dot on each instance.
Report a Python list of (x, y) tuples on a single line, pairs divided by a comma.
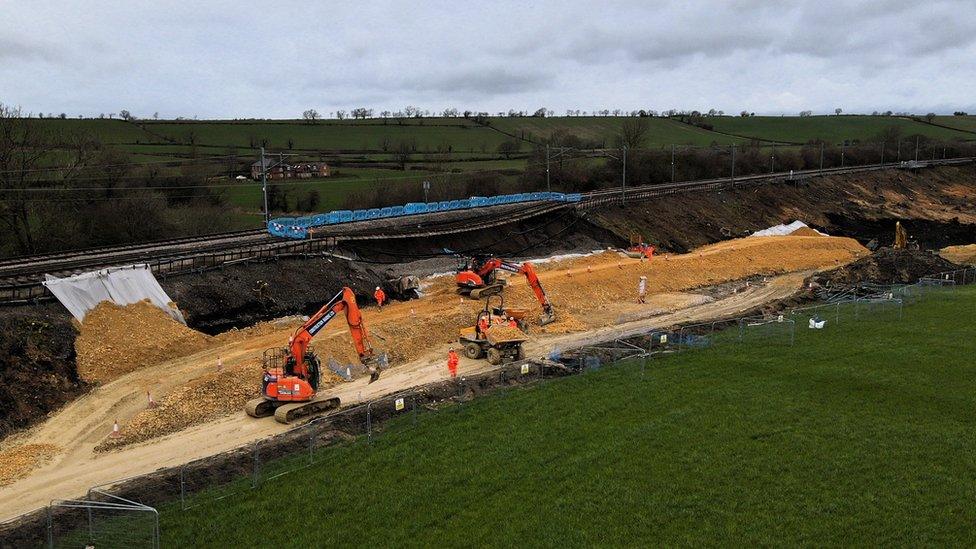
[(260, 407), (286, 413)]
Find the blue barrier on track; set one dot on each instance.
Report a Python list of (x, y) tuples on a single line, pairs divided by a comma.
[(298, 227)]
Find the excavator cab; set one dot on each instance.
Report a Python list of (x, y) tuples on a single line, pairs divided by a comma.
[(282, 383)]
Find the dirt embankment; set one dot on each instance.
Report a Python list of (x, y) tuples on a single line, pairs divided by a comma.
[(115, 340), (888, 266), (37, 367), (936, 206), (963, 255)]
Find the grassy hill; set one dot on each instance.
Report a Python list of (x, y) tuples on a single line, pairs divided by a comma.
[(832, 129), (965, 123), (860, 434)]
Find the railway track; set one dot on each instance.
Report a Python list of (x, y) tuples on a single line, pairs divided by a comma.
[(21, 277)]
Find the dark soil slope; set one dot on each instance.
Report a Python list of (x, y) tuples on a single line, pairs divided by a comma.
[(888, 266), (936, 206), (37, 367)]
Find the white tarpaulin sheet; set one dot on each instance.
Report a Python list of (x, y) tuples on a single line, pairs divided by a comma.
[(120, 285), (782, 230)]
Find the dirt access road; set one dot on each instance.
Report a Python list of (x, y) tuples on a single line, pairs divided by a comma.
[(80, 428)]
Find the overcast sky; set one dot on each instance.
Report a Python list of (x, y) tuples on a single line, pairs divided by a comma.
[(241, 58)]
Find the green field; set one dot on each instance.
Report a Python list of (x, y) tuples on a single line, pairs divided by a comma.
[(661, 131), (832, 129), (965, 123), (859, 434)]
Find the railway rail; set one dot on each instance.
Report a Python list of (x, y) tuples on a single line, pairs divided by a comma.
[(21, 277)]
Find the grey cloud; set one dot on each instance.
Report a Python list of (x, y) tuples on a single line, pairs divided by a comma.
[(19, 49)]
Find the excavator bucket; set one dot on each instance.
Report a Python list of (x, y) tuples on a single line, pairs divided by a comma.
[(374, 367), (547, 318), (345, 371)]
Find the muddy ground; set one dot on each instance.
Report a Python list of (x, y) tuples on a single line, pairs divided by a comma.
[(936, 207)]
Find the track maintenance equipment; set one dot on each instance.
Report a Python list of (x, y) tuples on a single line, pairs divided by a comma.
[(493, 336), (638, 247), (477, 278), (291, 374)]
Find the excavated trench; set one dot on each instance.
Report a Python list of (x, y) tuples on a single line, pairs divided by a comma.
[(936, 207)]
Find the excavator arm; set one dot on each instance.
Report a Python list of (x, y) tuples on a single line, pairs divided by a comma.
[(344, 301), (484, 268)]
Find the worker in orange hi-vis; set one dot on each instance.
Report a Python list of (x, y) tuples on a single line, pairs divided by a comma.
[(642, 290), (452, 363), (380, 296)]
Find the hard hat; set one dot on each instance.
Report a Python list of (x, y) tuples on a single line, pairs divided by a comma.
[(377, 287), (643, 278)]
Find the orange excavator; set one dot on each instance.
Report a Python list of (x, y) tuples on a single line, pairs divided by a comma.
[(478, 278), (291, 374)]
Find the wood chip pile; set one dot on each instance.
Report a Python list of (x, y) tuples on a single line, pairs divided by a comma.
[(16, 462), (116, 340)]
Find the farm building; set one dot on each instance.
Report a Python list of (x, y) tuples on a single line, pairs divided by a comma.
[(283, 170)]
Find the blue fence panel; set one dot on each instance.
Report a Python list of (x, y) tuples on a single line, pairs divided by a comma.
[(298, 227)]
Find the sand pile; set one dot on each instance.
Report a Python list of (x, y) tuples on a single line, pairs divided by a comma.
[(114, 340), (18, 461), (594, 285), (505, 333), (205, 398), (960, 255), (805, 231)]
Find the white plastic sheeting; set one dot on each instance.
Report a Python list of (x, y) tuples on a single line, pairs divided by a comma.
[(120, 285), (782, 230)]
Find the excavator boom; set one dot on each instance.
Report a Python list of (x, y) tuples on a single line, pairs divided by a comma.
[(478, 278)]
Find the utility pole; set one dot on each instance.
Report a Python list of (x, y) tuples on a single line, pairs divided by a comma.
[(882, 153), (843, 151), (772, 162), (548, 187), (264, 188), (732, 172), (898, 158), (821, 156), (916, 148), (623, 187), (426, 186), (672, 163)]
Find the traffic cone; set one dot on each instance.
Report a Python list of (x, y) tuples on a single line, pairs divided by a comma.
[(152, 403), (412, 312), (220, 364), (115, 430), (589, 269)]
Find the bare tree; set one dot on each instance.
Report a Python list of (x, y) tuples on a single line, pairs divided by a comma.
[(633, 131), (838, 110), (125, 115), (341, 115), (930, 117), (25, 148), (310, 116)]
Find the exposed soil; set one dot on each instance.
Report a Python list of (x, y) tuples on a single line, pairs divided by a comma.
[(37, 367), (963, 254), (115, 340), (936, 206), (888, 266)]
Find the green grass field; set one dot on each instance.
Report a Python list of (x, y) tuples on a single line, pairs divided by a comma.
[(661, 131), (833, 129), (965, 123), (860, 434)]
